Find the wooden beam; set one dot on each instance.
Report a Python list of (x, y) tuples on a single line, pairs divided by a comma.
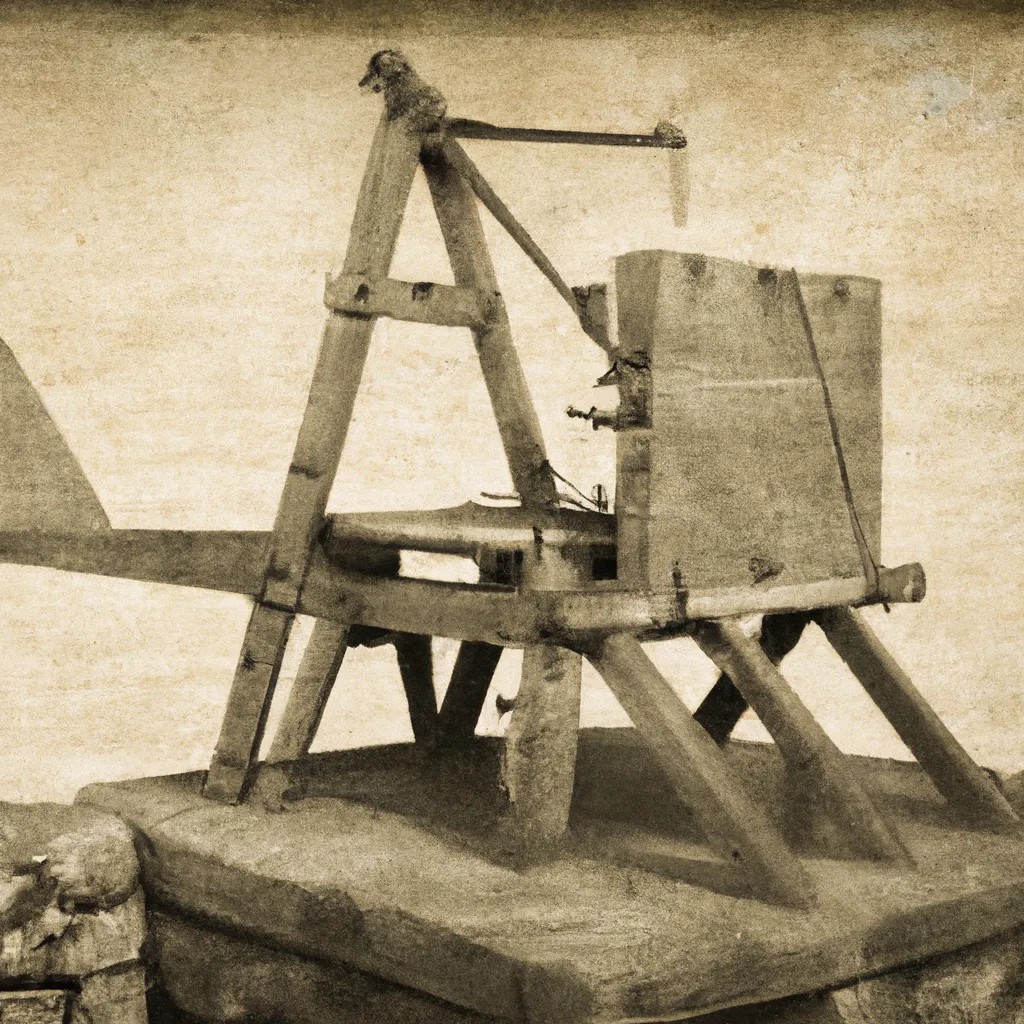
[(467, 690), (422, 302), (724, 706), (380, 208), (539, 761), (814, 759), (735, 829), (416, 666), (516, 418), (245, 717), (457, 157), (314, 681), (464, 128), (955, 774)]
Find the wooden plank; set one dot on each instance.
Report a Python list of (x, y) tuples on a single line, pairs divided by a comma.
[(724, 705), (813, 758), (516, 418), (422, 302), (252, 690), (227, 560), (464, 128), (955, 774), (735, 829), (467, 689), (742, 485), (248, 977), (416, 666), (346, 882)]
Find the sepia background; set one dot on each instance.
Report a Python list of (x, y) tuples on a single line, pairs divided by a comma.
[(175, 180)]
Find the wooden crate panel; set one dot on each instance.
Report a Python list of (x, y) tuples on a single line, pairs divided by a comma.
[(727, 471)]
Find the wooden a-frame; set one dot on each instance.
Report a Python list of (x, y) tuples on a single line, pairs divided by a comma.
[(748, 856)]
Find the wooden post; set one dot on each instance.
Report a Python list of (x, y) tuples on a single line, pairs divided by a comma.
[(810, 754), (416, 665), (539, 764), (379, 211), (955, 774), (518, 425), (464, 699), (734, 827)]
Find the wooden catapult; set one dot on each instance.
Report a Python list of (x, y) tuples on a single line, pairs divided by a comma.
[(748, 483)]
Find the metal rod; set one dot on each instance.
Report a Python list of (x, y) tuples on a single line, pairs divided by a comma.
[(463, 128)]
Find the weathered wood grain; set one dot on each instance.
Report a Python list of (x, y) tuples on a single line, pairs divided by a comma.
[(359, 885)]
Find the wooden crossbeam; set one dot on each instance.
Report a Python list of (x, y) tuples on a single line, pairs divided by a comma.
[(464, 128), (735, 829), (817, 763), (955, 774), (422, 302), (380, 208)]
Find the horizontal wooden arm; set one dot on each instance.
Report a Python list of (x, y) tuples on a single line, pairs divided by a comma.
[(463, 128)]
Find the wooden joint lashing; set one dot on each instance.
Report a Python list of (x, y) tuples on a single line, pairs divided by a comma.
[(421, 302)]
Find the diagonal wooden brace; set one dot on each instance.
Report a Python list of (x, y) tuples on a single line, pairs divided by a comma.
[(955, 774), (735, 828), (813, 758)]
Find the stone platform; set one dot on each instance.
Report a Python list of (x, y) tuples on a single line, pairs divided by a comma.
[(389, 866)]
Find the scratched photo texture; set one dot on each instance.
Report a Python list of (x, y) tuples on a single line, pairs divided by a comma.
[(177, 178)]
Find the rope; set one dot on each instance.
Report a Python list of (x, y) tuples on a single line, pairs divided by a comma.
[(866, 558)]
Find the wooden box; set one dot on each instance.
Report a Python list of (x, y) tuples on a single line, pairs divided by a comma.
[(727, 471)]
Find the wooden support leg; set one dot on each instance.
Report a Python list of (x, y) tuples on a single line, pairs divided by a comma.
[(724, 706), (318, 670), (735, 829), (808, 751), (966, 786), (540, 748), (464, 699), (249, 702), (416, 665), (379, 212), (539, 764)]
